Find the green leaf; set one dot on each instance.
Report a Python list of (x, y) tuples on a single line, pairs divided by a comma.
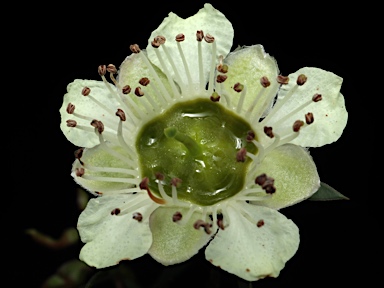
[(327, 193)]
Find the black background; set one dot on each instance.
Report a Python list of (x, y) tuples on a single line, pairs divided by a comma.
[(338, 239)]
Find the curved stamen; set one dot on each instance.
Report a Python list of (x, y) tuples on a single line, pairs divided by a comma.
[(180, 38)]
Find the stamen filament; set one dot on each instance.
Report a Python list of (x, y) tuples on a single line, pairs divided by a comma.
[(200, 59), (131, 207), (272, 91), (285, 117), (122, 141), (192, 208), (174, 195), (112, 170), (162, 192), (185, 64), (177, 75), (212, 70), (241, 100), (257, 98), (111, 179)]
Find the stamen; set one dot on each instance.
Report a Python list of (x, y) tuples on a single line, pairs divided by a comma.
[(260, 223), (243, 89), (266, 183), (264, 81), (192, 209), (221, 78), (297, 125), (144, 186), (177, 216), (120, 113), (78, 154), (268, 131), (199, 38), (282, 79), (139, 92), (79, 172), (189, 143), (112, 70), (98, 125), (162, 192), (131, 172), (70, 108), (137, 216), (180, 38), (165, 97), (71, 123), (241, 155), (115, 211), (210, 39), (309, 118), (175, 182), (223, 68), (205, 225)]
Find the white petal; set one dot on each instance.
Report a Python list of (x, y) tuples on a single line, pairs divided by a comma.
[(86, 107), (247, 66), (173, 242), (295, 174), (208, 19), (96, 163), (330, 114), (112, 238), (253, 252)]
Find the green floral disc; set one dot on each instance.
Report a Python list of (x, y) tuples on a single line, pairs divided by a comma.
[(196, 142)]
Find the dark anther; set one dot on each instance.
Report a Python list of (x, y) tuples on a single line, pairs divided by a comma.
[(260, 223), (71, 123), (160, 39), (309, 118), (180, 37), (297, 125), (176, 182), (144, 186), (260, 180), (282, 79), (264, 81), (201, 223), (220, 221), (177, 216), (209, 38), (241, 155), (137, 216), (221, 78), (155, 44), (111, 69), (199, 35), (223, 68), (159, 176), (144, 81), (126, 89), (268, 131), (98, 124), (134, 48), (139, 92), (215, 97), (317, 97), (115, 211), (120, 113), (266, 183), (79, 172), (102, 69), (70, 108), (238, 87), (250, 135), (144, 183), (86, 91), (78, 154), (301, 79)]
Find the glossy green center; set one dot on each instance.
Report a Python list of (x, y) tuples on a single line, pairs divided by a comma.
[(197, 142)]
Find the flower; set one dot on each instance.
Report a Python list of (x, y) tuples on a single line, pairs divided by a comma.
[(190, 145)]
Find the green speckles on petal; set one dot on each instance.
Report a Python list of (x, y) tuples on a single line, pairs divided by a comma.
[(295, 175), (254, 249), (174, 242)]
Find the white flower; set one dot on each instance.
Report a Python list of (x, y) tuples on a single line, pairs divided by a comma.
[(176, 162)]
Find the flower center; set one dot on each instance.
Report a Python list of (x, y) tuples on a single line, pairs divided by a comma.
[(195, 142)]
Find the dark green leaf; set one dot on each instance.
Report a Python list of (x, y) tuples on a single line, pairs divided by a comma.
[(327, 193)]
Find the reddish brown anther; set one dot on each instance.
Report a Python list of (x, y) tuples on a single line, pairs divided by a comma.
[(317, 97), (215, 97), (120, 113), (301, 79), (282, 79), (134, 48), (71, 123), (144, 186), (180, 37), (137, 216), (160, 39), (111, 69), (115, 211), (269, 131), (199, 35), (260, 180), (209, 38), (85, 91), (241, 155), (264, 81), (238, 87), (79, 172), (260, 223), (266, 183), (201, 223), (220, 221), (250, 135), (144, 183), (221, 78), (297, 125), (70, 108), (144, 81), (126, 89), (102, 69), (177, 216), (78, 153), (155, 44), (98, 125), (176, 182), (309, 118), (159, 176), (139, 92), (223, 68)]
